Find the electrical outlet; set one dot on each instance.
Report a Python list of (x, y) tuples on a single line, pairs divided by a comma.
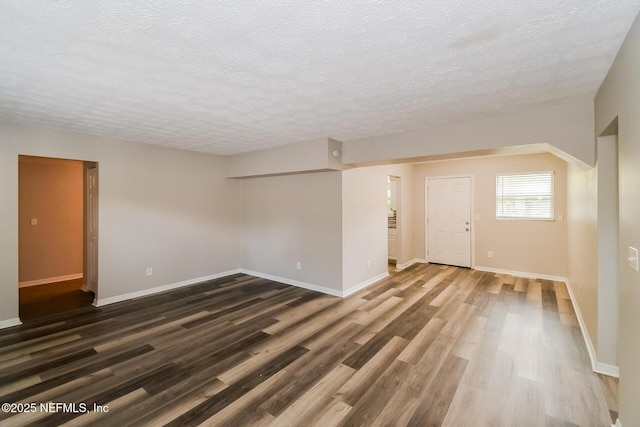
[(299, 265), (149, 271), (633, 258), (369, 263), (490, 254)]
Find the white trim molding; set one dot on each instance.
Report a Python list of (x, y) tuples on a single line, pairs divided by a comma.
[(364, 284), (304, 285), (606, 369), (524, 274), (617, 424), (597, 367), (124, 297), (10, 323), (318, 288), (410, 263), (48, 280)]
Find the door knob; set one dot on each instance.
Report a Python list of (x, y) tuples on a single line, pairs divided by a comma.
[(467, 228)]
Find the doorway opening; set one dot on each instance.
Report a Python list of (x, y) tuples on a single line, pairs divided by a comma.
[(394, 235), (57, 229)]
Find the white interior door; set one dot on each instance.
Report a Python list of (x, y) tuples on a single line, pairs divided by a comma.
[(91, 264), (449, 221)]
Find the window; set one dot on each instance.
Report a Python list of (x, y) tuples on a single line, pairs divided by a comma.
[(525, 196)]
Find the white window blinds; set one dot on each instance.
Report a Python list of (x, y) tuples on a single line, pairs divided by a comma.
[(525, 196)]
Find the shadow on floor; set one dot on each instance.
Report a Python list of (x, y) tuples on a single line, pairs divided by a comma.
[(53, 298)]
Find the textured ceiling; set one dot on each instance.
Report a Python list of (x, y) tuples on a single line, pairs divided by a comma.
[(234, 76)]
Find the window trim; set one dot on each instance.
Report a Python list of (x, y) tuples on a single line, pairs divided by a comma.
[(527, 218)]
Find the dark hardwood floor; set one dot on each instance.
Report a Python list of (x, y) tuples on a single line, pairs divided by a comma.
[(53, 298), (431, 345)]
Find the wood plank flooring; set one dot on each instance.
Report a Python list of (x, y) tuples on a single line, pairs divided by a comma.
[(429, 346), (53, 298)]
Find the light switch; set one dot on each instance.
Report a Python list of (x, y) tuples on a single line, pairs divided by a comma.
[(34, 221), (633, 258), (477, 217)]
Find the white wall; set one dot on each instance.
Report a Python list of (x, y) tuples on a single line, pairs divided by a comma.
[(293, 218), (290, 158), (538, 247), (172, 210), (364, 219), (619, 96), (565, 126), (364, 227)]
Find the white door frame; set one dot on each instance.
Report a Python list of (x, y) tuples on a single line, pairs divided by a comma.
[(471, 215)]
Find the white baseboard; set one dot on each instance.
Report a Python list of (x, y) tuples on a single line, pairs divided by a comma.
[(10, 322), (310, 286), (606, 369), (50, 280), (583, 327), (524, 274), (364, 284), (617, 424), (317, 288), (124, 297), (323, 289), (410, 263), (598, 367)]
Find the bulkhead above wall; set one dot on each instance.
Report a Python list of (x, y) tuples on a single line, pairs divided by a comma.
[(312, 156), (565, 130)]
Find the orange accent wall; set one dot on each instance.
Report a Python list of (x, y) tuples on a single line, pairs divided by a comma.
[(51, 191)]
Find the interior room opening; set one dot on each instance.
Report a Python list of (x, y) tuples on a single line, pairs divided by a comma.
[(53, 197)]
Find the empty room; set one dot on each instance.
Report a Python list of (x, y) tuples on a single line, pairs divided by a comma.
[(278, 213)]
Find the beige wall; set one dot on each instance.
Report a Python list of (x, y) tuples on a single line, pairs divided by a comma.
[(582, 253), (171, 210), (50, 191), (293, 218), (608, 224), (537, 247), (619, 96)]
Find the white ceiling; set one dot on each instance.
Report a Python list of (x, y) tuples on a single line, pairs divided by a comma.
[(232, 76)]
